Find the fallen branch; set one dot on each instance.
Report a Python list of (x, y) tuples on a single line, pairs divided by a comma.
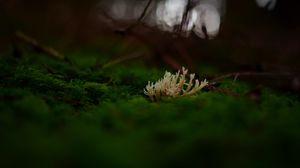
[(227, 92), (122, 59), (263, 74), (41, 48)]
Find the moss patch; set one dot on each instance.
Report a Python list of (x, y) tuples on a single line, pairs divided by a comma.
[(58, 114)]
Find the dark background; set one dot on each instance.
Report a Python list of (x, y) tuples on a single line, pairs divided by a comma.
[(249, 36)]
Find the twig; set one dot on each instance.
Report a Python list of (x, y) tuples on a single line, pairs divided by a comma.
[(222, 91), (143, 13), (42, 48), (184, 21), (138, 22), (122, 59), (264, 74)]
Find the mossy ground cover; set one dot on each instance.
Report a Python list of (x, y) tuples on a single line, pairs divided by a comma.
[(57, 114)]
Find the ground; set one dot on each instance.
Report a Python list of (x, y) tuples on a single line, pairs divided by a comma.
[(71, 113)]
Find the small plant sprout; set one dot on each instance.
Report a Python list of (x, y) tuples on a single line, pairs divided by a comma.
[(174, 85)]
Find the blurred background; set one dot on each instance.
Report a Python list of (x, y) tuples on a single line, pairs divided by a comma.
[(79, 112), (250, 39)]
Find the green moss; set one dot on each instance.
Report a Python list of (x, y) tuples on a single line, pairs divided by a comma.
[(74, 115)]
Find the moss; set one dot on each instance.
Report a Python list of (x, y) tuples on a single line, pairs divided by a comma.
[(73, 115)]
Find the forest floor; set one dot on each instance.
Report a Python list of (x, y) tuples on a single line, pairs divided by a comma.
[(60, 114)]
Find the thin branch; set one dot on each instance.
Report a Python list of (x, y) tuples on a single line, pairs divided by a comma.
[(122, 59), (263, 74), (144, 12), (185, 19), (227, 92), (42, 48), (139, 20)]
